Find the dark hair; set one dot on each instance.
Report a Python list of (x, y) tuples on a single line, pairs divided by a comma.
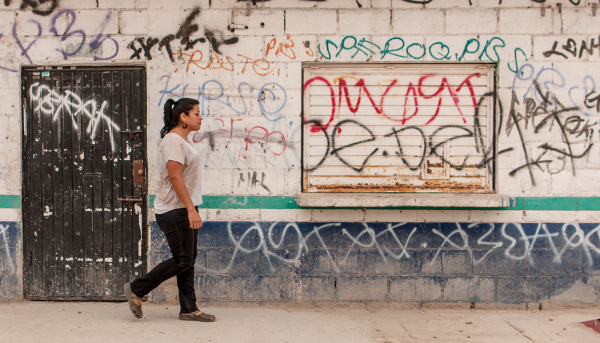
[(173, 110)]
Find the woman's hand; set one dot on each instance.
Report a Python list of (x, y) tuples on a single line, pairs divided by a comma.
[(195, 220)]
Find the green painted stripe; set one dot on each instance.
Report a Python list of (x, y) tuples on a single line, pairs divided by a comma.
[(229, 202), (588, 204), (279, 203), (151, 200), (284, 203), (241, 202), (10, 201), (521, 203), (551, 204), (518, 206)]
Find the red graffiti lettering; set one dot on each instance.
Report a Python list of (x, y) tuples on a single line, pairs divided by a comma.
[(412, 91), (453, 93), (265, 137)]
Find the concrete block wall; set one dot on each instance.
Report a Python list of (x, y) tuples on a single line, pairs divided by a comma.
[(403, 262), (251, 140)]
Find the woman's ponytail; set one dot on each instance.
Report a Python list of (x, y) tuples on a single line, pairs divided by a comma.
[(169, 118), (172, 112)]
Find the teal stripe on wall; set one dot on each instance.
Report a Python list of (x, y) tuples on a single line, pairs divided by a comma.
[(280, 203), (521, 203), (10, 201)]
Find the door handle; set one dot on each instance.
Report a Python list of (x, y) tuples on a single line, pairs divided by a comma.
[(131, 133), (131, 201)]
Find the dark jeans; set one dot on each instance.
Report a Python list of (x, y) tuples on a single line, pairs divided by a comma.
[(183, 242)]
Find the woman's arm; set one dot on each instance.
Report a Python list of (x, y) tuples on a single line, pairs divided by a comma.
[(175, 169)]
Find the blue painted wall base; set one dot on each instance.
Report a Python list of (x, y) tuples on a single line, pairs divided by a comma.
[(403, 262), (10, 283)]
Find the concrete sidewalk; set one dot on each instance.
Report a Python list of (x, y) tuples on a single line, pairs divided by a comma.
[(112, 322)]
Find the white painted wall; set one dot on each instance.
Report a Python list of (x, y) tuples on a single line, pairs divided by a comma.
[(519, 32)]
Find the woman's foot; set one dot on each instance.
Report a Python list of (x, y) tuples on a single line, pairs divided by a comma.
[(198, 316), (135, 302)]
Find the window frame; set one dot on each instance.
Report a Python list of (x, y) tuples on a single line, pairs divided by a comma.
[(491, 123)]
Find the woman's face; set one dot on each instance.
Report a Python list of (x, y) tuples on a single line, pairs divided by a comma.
[(193, 119)]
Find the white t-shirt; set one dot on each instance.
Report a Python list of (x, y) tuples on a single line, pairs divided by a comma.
[(174, 148)]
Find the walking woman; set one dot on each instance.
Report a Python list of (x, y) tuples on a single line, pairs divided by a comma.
[(176, 207)]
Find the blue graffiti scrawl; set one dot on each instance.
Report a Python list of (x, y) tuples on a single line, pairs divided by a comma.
[(271, 97), (503, 262)]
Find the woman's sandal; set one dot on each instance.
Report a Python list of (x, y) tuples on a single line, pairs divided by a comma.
[(136, 310), (199, 317)]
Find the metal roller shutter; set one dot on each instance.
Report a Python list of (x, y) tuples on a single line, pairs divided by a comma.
[(398, 128)]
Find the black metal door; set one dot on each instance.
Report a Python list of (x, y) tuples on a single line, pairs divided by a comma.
[(84, 191)]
